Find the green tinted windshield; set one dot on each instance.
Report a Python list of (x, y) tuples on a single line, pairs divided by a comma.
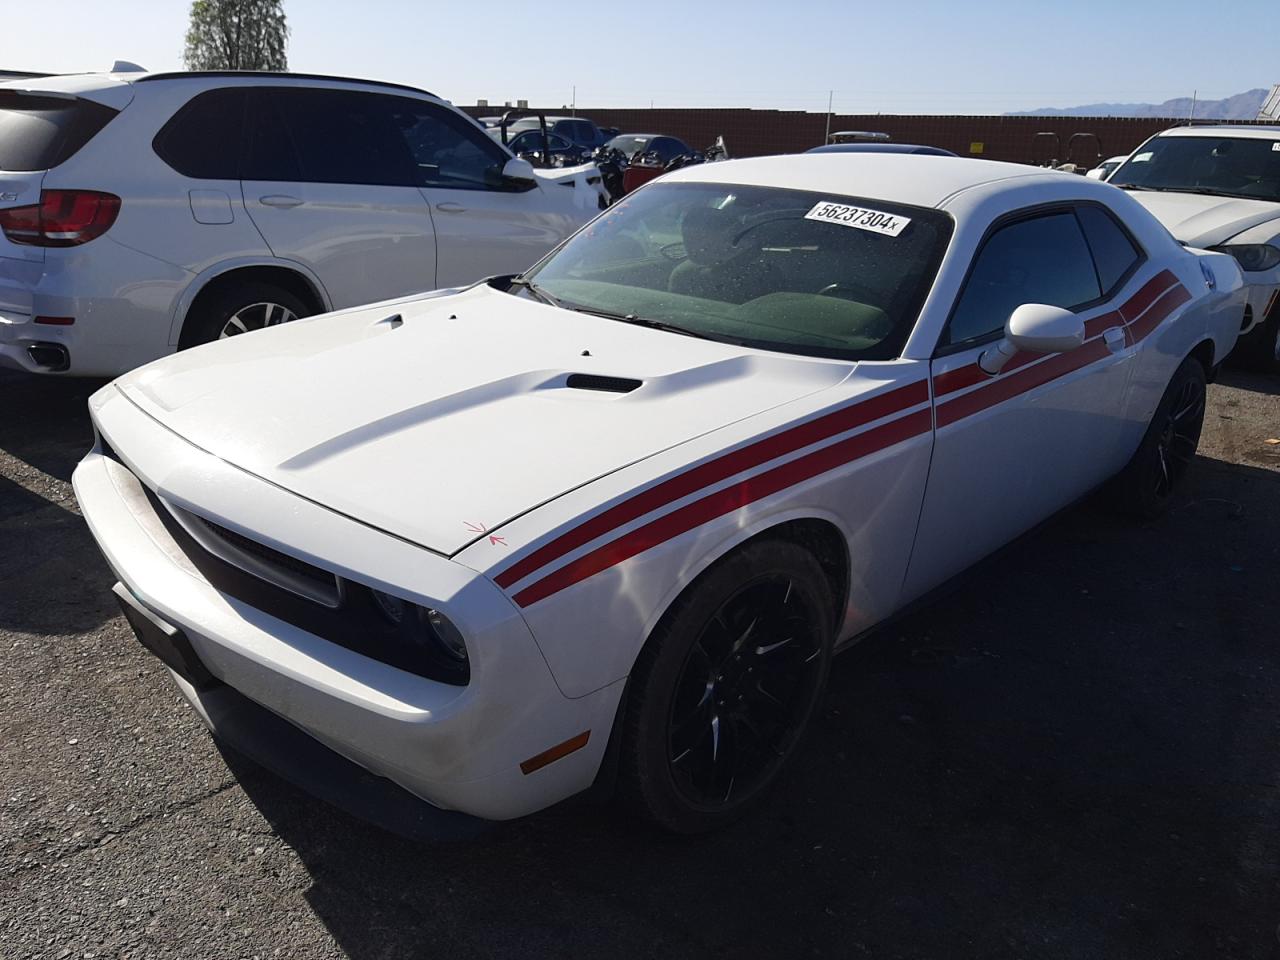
[(792, 270)]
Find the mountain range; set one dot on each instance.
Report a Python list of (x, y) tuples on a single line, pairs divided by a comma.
[(1243, 106)]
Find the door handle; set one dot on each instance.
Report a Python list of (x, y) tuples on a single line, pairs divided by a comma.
[(280, 200), (1114, 338), (450, 207)]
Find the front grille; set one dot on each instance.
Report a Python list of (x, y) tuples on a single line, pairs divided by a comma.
[(289, 568), (336, 609)]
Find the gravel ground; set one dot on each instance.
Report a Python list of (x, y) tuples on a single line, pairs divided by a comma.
[(1074, 754)]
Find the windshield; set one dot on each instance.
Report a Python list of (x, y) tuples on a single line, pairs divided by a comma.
[(628, 143), (779, 269), (1227, 166)]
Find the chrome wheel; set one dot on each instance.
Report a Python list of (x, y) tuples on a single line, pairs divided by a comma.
[(254, 317), (743, 693), (1179, 436)]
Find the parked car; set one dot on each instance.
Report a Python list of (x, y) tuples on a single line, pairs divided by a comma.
[(1107, 167), (631, 502), (1218, 187), (577, 130), (561, 152), (142, 213), (856, 147), (663, 148)]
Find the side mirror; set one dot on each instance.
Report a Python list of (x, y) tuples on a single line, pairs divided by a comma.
[(518, 172), (1036, 328)]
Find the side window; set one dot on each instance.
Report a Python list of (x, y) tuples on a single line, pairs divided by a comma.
[(1039, 260), (1114, 253), (202, 139), (447, 151), (268, 148), (344, 136)]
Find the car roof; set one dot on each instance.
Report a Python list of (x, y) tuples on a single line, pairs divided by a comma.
[(881, 147), (922, 181), (1224, 130), (89, 84)]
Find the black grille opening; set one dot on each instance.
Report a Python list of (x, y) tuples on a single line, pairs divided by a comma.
[(322, 578), (592, 381), (354, 621)]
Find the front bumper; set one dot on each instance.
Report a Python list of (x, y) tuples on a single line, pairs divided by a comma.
[(459, 748)]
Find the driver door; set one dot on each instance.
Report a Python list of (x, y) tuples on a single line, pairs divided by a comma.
[(1012, 449)]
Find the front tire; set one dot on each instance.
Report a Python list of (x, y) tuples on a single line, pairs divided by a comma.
[(725, 687), (239, 308), (1146, 486)]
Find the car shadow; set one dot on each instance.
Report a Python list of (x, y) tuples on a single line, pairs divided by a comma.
[(46, 421), (1265, 383), (1071, 754), (53, 579)]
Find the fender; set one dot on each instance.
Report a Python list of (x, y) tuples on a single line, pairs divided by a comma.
[(210, 273), (730, 542)]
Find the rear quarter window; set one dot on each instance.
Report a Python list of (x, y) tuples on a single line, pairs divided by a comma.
[(39, 132), (203, 139)]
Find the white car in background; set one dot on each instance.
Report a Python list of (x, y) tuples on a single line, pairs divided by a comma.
[(1107, 167), (630, 503), (1218, 188), (143, 213)]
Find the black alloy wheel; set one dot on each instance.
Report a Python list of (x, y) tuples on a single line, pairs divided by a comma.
[(742, 693), (725, 687), (1146, 486)]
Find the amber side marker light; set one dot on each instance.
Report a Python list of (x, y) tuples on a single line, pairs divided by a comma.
[(555, 753)]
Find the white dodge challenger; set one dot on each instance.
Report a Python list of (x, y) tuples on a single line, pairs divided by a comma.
[(616, 514)]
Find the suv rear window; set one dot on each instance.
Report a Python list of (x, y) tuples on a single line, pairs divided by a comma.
[(38, 132)]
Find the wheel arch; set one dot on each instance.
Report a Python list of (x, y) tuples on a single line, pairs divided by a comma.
[(1204, 351), (294, 277), (819, 532)]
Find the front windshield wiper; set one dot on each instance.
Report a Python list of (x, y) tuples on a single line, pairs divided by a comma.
[(534, 290), (655, 324)]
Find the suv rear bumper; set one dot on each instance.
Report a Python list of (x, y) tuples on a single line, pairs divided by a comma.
[(118, 324)]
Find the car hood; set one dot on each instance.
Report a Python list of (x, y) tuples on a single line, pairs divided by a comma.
[(440, 418), (1204, 221)]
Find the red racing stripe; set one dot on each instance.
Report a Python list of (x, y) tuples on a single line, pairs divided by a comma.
[(1148, 295), (1161, 309), (1011, 386), (724, 501), (713, 471)]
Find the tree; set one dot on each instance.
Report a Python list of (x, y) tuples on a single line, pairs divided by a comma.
[(237, 35)]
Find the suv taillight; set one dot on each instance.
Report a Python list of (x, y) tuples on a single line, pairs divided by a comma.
[(62, 218)]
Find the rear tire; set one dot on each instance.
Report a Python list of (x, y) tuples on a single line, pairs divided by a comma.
[(725, 687), (238, 308), (1146, 486)]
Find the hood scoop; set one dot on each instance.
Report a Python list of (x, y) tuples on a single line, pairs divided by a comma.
[(594, 381)]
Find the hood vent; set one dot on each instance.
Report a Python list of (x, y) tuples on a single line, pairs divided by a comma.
[(592, 381)]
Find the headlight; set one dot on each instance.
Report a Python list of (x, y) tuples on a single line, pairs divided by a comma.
[(424, 628), (1252, 256)]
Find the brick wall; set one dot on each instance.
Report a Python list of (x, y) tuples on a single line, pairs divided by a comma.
[(750, 133)]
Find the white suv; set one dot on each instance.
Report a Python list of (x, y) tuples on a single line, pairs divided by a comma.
[(143, 213)]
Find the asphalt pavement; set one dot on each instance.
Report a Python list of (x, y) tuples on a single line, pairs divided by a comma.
[(1076, 753)]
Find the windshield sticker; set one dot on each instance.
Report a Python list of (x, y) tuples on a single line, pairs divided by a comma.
[(863, 218), (1142, 157), (1276, 146)]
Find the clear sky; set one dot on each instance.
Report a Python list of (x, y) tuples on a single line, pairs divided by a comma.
[(891, 56)]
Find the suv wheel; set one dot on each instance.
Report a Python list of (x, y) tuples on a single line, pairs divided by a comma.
[(240, 308)]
